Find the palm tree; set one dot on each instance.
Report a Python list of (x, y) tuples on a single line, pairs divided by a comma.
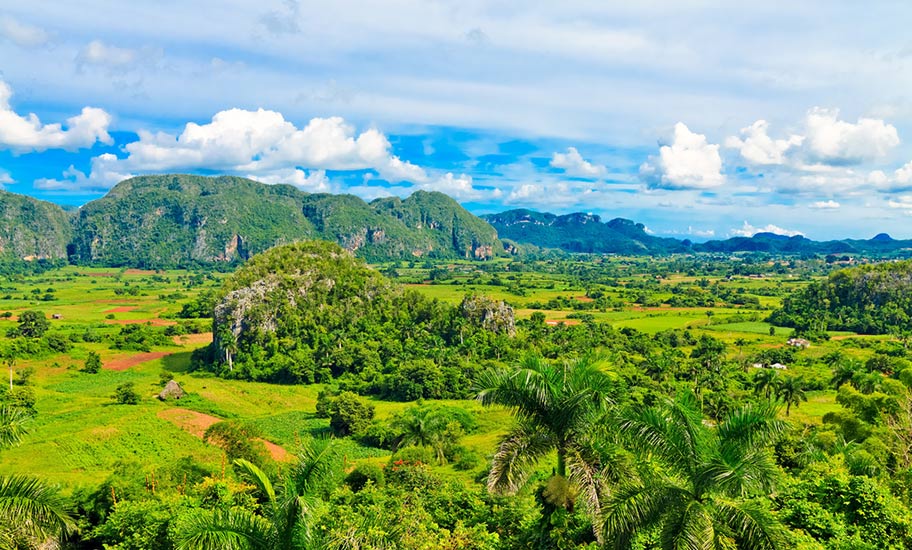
[(843, 372), (29, 509), (696, 481), (765, 381), (791, 391), (288, 512), (557, 408), (425, 427)]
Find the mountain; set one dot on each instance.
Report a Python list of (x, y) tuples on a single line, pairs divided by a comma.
[(579, 232), (31, 229), (179, 220)]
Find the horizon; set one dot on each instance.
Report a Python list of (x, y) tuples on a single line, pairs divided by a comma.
[(699, 122)]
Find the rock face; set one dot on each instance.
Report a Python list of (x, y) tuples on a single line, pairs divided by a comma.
[(492, 315), (172, 391), (31, 229)]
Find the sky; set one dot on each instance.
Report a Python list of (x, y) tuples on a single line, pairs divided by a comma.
[(699, 119)]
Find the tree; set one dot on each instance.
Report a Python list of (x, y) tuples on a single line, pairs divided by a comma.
[(791, 391), (765, 381), (350, 414), (289, 512), (696, 481), (33, 324), (740, 343), (30, 511), (9, 354), (92, 363), (556, 408), (125, 394)]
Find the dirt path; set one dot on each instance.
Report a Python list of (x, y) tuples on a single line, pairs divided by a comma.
[(123, 363), (568, 322), (196, 423), (193, 339)]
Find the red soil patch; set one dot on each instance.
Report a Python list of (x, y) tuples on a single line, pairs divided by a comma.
[(105, 274), (584, 299), (568, 322), (196, 423), (192, 422), (121, 309), (277, 452), (153, 322), (193, 339), (138, 272), (126, 362)]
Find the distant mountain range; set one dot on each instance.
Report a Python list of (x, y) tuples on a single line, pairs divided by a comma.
[(184, 220)]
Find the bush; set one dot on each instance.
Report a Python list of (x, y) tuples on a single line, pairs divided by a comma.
[(350, 414), (92, 363), (363, 473), (125, 394)]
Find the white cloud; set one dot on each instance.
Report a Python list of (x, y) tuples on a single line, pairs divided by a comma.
[(705, 233), (688, 163), (459, 187), (835, 141), (748, 230), (826, 142), (575, 165), (22, 34), (5, 178), (757, 147), (824, 205), (314, 181), (262, 141), (23, 134), (104, 174), (902, 202), (98, 53)]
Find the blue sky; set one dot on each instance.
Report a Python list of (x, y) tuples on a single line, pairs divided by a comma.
[(700, 119)]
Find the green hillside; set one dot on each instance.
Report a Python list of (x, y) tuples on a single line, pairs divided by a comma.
[(32, 229), (182, 220)]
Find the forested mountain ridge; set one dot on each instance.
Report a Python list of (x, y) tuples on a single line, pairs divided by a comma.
[(580, 232), (871, 299), (175, 220), (32, 229)]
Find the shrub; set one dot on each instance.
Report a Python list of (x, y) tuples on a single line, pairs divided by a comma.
[(363, 473), (125, 394), (350, 414), (92, 363)]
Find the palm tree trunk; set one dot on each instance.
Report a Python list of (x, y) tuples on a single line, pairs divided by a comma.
[(788, 407), (561, 461)]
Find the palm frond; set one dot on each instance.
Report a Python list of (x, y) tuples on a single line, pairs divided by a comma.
[(632, 507), (692, 529), (752, 526), (516, 457), (319, 464), (751, 426), (234, 529), (32, 508), (13, 422), (259, 477)]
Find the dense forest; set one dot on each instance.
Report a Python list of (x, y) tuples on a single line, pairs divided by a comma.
[(869, 299)]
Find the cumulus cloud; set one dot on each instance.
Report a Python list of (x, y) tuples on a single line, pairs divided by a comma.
[(22, 34), (826, 141), (5, 178), (575, 165), (22, 134), (690, 162), (748, 230), (263, 145), (262, 141), (824, 205), (835, 141), (104, 174), (757, 147), (314, 181)]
